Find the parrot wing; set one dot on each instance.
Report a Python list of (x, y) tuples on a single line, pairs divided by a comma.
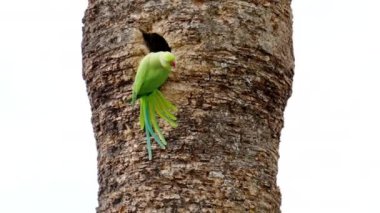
[(140, 77)]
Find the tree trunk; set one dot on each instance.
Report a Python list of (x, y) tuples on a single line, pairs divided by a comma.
[(232, 81)]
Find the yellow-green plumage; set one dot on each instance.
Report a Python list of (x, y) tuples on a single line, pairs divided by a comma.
[(152, 72)]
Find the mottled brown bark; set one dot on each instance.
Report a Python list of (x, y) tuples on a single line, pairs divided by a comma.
[(233, 78)]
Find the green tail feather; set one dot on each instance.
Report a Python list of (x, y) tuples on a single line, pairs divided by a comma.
[(154, 120), (168, 105), (149, 106), (142, 118), (163, 111), (148, 144)]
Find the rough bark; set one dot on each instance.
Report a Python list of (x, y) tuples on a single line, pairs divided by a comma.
[(232, 81)]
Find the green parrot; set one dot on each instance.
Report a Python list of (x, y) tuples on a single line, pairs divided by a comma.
[(152, 73)]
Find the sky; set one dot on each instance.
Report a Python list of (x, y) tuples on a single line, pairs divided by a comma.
[(329, 159)]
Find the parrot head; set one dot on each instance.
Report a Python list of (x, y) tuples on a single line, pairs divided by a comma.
[(167, 60)]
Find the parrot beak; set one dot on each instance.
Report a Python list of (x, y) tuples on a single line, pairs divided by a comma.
[(173, 64)]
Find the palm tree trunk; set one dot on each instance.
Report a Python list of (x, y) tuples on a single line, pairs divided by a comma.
[(232, 81)]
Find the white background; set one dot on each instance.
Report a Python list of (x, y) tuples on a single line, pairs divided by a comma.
[(330, 144)]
